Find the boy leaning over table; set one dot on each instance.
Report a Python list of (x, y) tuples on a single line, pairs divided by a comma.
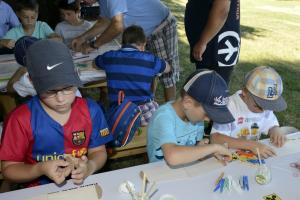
[(133, 70), (38, 135), (175, 130), (252, 107)]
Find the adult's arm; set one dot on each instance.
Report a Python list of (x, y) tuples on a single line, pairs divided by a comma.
[(99, 27), (216, 20), (114, 29)]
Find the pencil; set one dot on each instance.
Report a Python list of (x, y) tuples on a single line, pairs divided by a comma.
[(81, 57), (219, 178)]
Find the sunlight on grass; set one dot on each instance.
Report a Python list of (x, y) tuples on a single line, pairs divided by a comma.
[(270, 36)]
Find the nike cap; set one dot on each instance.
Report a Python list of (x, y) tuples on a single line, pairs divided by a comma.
[(50, 65), (209, 88)]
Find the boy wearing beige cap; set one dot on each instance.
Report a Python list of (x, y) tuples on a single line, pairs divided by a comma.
[(252, 107)]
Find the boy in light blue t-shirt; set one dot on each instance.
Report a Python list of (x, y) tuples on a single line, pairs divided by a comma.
[(27, 11), (175, 130)]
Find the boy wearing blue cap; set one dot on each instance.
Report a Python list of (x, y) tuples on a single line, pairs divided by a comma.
[(21, 46), (175, 130), (53, 124), (252, 107)]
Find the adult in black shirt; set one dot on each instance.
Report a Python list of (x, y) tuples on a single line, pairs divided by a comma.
[(213, 31)]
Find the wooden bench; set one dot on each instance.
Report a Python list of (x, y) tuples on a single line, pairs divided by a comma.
[(136, 146)]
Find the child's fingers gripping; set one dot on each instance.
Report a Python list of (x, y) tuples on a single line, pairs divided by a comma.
[(84, 158), (77, 176), (77, 181), (268, 152), (226, 152), (275, 139), (61, 163), (67, 171), (78, 170), (282, 140), (58, 179), (220, 158)]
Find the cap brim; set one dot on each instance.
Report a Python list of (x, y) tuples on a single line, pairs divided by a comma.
[(43, 84), (219, 115), (274, 105)]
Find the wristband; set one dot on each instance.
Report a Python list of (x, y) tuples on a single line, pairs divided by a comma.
[(92, 44)]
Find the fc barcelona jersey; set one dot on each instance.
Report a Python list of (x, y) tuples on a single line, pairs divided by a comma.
[(30, 135)]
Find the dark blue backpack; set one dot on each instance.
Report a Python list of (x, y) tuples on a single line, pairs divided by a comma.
[(123, 120)]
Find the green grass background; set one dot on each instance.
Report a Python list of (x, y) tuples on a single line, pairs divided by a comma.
[(270, 32)]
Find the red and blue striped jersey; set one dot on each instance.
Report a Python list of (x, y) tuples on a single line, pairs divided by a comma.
[(30, 135)]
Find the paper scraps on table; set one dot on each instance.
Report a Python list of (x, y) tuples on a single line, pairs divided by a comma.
[(246, 156)]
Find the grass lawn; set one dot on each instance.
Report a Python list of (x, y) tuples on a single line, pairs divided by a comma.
[(270, 36)]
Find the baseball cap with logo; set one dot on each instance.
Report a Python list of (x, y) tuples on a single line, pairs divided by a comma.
[(265, 86), (209, 88), (50, 66), (21, 46)]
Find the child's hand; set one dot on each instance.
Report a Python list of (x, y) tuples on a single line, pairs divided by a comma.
[(77, 44), (295, 165), (55, 170), (223, 154), (264, 150), (277, 138), (71, 164), (85, 48), (8, 43), (55, 36), (81, 170), (203, 142)]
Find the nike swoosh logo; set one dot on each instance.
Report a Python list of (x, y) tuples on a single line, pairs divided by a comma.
[(53, 66)]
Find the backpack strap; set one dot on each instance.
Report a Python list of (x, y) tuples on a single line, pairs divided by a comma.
[(120, 116), (129, 128), (121, 96)]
